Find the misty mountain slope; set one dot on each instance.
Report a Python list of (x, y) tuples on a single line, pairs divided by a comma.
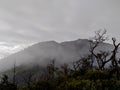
[(42, 53)]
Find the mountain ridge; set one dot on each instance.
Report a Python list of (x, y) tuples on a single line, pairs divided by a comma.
[(42, 52)]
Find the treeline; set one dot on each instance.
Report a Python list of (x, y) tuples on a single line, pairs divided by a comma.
[(100, 70)]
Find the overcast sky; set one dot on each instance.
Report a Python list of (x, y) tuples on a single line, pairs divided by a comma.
[(23, 22)]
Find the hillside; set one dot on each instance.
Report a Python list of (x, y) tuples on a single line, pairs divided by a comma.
[(41, 53)]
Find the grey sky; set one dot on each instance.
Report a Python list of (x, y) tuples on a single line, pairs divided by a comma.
[(23, 22)]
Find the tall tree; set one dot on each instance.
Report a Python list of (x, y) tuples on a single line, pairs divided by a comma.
[(101, 57)]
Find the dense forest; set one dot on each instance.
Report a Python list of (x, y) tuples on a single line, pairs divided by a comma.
[(96, 71)]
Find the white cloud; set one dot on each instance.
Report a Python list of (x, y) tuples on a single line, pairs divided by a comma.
[(9, 48)]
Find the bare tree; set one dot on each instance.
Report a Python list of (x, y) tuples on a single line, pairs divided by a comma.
[(101, 57), (114, 60), (14, 74), (51, 69)]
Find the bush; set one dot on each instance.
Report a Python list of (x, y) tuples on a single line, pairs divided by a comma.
[(95, 75)]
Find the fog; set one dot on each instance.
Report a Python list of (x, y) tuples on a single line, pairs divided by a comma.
[(43, 53)]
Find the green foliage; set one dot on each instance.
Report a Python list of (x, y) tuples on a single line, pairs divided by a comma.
[(78, 85), (75, 74), (64, 78), (92, 85), (95, 75), (92, 80), (6, 85)]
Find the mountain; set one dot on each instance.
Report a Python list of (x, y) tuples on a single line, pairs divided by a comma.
[(42, 53)]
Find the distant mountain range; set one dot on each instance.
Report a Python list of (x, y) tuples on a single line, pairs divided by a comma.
[(42, 53)]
